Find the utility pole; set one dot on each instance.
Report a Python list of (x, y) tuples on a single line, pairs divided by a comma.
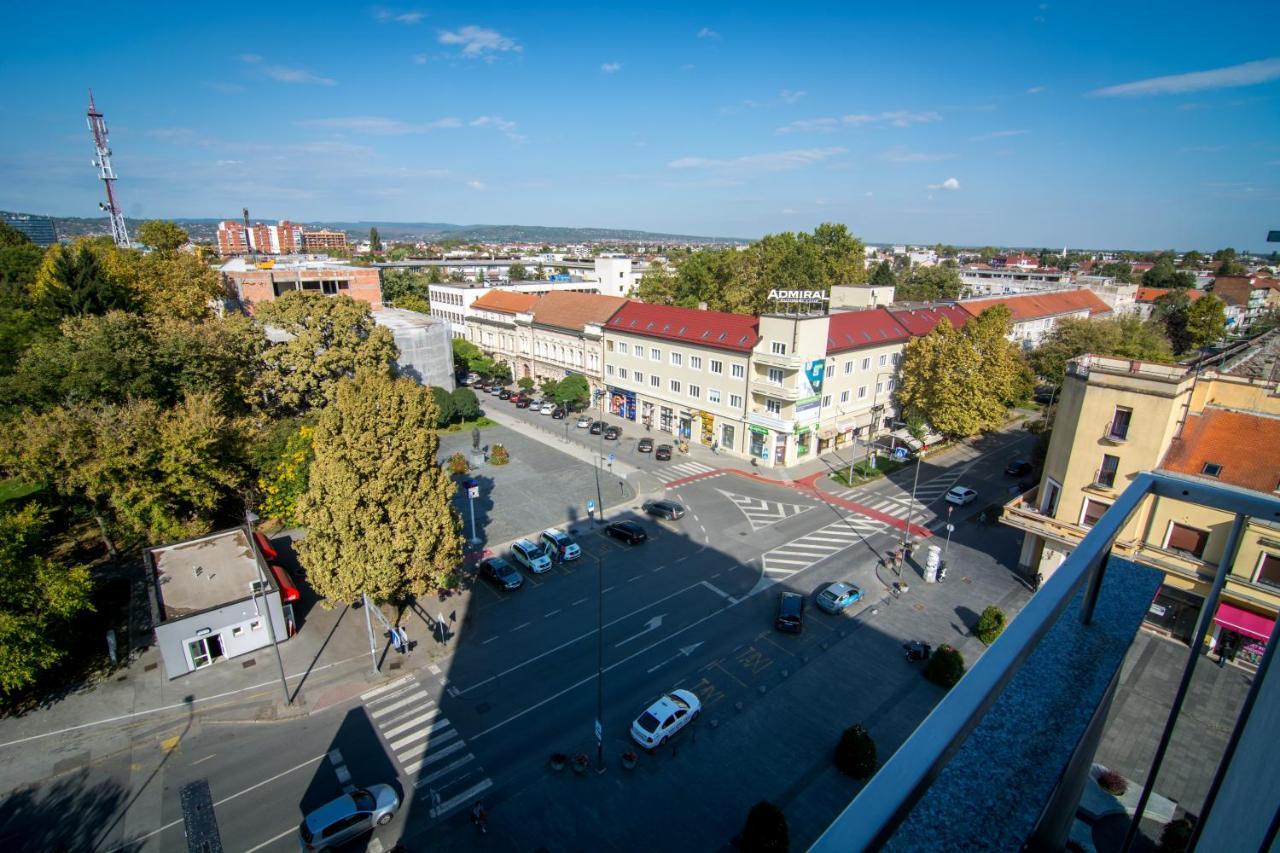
[(251, 519), (599, 664), (911, 510), (98, 125)]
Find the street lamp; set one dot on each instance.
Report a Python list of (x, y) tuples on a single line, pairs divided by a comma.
[(599, 664), (911, 509), (950, 527), (473, 492)]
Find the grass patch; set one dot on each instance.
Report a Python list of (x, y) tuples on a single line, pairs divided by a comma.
[(479, 423), (864, 473), (12, 490)]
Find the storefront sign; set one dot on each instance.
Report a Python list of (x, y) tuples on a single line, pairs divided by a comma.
[(808, 410), (813, 373), (757, 430), (622, 403), (798, 296)]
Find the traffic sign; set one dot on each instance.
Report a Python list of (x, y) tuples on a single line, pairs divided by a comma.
[(900, 453), (591, 505), (951, 528), (473, 492), (599, 732), (612, 457)]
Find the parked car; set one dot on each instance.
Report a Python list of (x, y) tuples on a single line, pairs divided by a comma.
[(664, 509), (645, 445), (662, 453), (1017, 468), (504, 394), (790, 616), (837, 596), (597, 427), (584, 421), (557, 413), (961, 495), (560, 545), (664, 718), (627, 531), (531, 555), (501, 573), (613, 433), (547, 408), (522, 403), (348, 817)]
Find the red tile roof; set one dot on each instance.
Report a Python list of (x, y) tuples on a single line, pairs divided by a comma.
[(505, 301), (702, 328), (1034, 306), (848, 330), (1247, 446), (1151, 294), (921, 321), (566, 309)]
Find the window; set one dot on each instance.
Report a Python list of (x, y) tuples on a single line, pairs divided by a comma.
[(622, 348), (713, 395), (777, 348), (655, 381), (773, 407), (609, 345), (897, 359), (255, 625), (884, 359), (1268, 569), (1107, 473), (879, 388), (639, 351), (695, 362), (826, 400), (1186, 540), (844, 396), (866, 363), (695, 391), (831, 368), (608, 369), (639, 378), (1093, 511), (237, 630), (848, 367), (1211, 469), (726, 436), (715, 366), (735, 400), (675, 386), (655, 354), (1120, 423), (775, 375), (676, 359), (862, 392), (737, 371), (622, 373)]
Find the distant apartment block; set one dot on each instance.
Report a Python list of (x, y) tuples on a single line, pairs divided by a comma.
[(1247, 298), (324, 238), (995, 279), (248, 284), (283, 238), (38, 229)]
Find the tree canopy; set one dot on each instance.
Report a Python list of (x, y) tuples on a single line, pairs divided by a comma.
[(1124, 336), (162, 235), (1164, 274), (930, 284), (517, 272), (407, 289), (1121, 271)]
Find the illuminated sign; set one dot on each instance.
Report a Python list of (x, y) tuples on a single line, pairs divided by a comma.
[(798, 296)]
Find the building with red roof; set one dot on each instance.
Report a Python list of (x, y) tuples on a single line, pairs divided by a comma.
[(1035, 314)]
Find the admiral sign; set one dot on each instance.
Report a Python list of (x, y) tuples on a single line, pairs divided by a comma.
[(798, 296)]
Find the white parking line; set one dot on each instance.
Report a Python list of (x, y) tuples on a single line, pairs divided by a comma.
[(549, 615), (518, 627)]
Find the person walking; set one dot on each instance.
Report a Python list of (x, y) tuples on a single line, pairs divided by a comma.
[(479, 816)]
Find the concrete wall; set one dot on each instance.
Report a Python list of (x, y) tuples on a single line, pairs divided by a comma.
[(172, 636)]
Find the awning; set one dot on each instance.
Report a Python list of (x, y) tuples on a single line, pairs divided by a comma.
[(1244, 621), (288, 590)]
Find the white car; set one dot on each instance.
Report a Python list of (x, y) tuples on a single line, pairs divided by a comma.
[(664, 718), (560, 544), (531, 555), (585, 421), (961, 495), (547, 408)]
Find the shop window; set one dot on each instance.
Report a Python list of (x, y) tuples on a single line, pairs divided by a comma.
[(1268, 570), (1093, 511), (1187, 540)]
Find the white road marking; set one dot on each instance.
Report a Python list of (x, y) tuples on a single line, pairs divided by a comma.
[(549, 615), (438, 727), (488, 641), (409, 700), (453, 802), (444, 771), (522, 625), (416, 721), (392, 685), (716, 589), (413, 768), (419, 749)]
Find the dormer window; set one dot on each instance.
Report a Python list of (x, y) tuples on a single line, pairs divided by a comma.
[(1211, 469)]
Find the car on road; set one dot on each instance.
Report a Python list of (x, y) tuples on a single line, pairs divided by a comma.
[(1018, 468), (348, 817), (627, 531), (547, 408), (837, 596), (644, 445), (613, 433), (531, 555), (664, 718), (961, 495), (662, 453), (584, 421), (522, 403), (597, 427), (500, 573), (557, 413), (790, 616), (504, 394), (664, 509), (560, 545)]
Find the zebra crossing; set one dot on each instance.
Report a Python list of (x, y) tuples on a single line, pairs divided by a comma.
[(899, 505), (425, 744), (679, 471), (761, 512), (786, 560)]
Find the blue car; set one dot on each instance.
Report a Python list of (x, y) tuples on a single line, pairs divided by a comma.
[(836, 597)]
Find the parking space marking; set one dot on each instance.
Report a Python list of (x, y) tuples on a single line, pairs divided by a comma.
[(768, 638), (707, 692), (518, 627), (549, 615), (579, 601), (754, 660), (632, 580), (730, 674), (488, 641)]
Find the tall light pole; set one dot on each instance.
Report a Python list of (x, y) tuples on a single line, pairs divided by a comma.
[(950, 527), (911, 510), (599, 664), (250, 519)]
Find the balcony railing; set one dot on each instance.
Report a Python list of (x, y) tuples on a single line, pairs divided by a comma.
[(786, 362), (761, 417), (1002, 760), (768, 388)]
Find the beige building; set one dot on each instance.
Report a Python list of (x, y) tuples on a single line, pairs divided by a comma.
[(561, 334), (492, 323), (1220, 422)]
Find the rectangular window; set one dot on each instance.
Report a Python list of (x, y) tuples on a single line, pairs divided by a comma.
[(726, 436), (713, 395), (848, 367), (866, 363), (655, 354), (330, 288), (609, 345), (844, 396), (1187, 540), (775, 375), (831, 368), (1107, 473), (773, 407), (255, 625), (1268, 570), (716, 366), (639, 378), (654, 381), (676, 359), (622, 373), (1093, 511), (737, 371), (897, 359), (608, 368), (695, 362), (622, 348), (237, 630), (675, 386), (826, 400), (695, 391), (1211, 469), (777, 348), (862, 392), (1120, 423), (735, 400), (879, 388)]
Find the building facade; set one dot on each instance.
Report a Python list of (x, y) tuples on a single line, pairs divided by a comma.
[(424, 344), (452, 300), (324, 238), (38, 229), (491, 324), (248, 284), (562, 333), (283, 238), (1035, 314)]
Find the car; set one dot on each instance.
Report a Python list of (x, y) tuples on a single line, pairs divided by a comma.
[(501, 573), (837, 596), (664, 509), (662, 453), (645, 445), (627, 531), (613, 433), (671, 713), (522, 403), (548, 408), (560, 545), (504, 394), (961, 495), (790, 616), (584, 421), (1017, 468), (557, 413), (531, 555), (350, 816), (597, 427)]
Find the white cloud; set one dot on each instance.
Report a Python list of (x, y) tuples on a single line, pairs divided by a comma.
[(868, 194), (787, 211), (948, 184), (611, 67), (1035, 90), (251, 58), (1246, 74), (480, 42), (476, 185), (379, 126), (777, 161), (223, 163), (997, 134), (500, 124), (284, 74), (827, 124), (899, 155), (790, 97), (387, 16), (419, 59), (708, 33)]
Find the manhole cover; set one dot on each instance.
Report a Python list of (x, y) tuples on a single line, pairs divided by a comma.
[(918, 607), (249, 663), (967, 579), (482, 708), (395, 664)]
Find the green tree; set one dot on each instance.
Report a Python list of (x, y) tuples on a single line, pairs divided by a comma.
[(375, 242), (856, 753), (404, 287), (39, 598), (165, 284), (765, 830), (379, 523), (883, 275), (548, 388), (930, 284), (162, 235), (1206, 321), (10, 236), (466, 356), (990, 624), (517, 272), (525, 384), (573, 391), (945, 667), (1163, 274), (1227, 262), (72, 282), (333, 338), (444, 406), (1124, 336), (1119, 270), (1172, 311), (1192, 259), (657, 286), (466, 406)]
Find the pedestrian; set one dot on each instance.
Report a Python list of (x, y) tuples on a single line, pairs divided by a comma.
[(404, 639), (479, 816), (395, 641), (715, 448)]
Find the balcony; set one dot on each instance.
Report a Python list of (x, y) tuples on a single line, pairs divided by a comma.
[(786, 362), (764, 418), (1003, 760), (765, 388)]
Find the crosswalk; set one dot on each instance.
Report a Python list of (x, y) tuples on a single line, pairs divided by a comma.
[(680, 470), (761, 512), (899, 505), (785, 560), (425, 744)]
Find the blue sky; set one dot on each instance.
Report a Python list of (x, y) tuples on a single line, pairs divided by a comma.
[(1043, 124)]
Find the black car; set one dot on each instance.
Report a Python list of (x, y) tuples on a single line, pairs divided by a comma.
[(504, 394), (1018, 467), (663, 453), (613, 433), (501, 573), (664, 509), (597, 427), (522, 403), (627, 531), (558, 414), (790, 613), (645, 445)]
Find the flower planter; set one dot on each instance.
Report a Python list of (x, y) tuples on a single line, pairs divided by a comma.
[(629, 760), (580, 763), (558, 761)]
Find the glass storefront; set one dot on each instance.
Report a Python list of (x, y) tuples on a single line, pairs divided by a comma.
[(622, 403), (803, 437), (1175, 611), (759, 447), (726, 437), (666, 422)]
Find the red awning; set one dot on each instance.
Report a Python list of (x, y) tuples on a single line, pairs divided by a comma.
[(1244, 621), (288, 590), (265, 546)]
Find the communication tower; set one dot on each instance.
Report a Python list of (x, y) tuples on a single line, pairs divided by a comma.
[(107, 175)]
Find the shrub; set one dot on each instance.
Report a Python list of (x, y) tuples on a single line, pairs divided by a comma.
[(856, 753), (945, 667), (990, 624), (285, 480), (765, 830), (498, 455), (458, 464), (1176, 835), (525, 383), (1112, 782)]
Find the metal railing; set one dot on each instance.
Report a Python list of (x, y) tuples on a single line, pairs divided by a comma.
[(874, 815)]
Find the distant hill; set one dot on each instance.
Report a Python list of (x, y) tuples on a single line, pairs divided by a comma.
[(206, 230)]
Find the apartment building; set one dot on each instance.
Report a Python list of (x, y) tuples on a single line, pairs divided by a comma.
[(38, 229), (1144, 301), (324, 238), (1218, 422), (992, 280), (248, 284), (1120, 297), (491, 324), (1247, 297), (283, 238), (863, 353), (562, 333), (1035, 314)]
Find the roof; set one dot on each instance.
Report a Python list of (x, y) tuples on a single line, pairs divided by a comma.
[(921, 321), (1033, 306), (1246, 445), (847, 330), (567, 309), (1151, 294), (204, 573), (402, 318), (1236, 289), (717, 329), (505, 301)]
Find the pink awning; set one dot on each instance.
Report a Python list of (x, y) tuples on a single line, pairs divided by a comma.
[(1244, 621)]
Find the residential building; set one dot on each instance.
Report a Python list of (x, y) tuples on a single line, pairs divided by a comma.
[(283, 238), (1145, 299), (858, 296), (425, 346), (863, 355), (248, 284), (1035, 314), (562, 333), (491, 322), (1247, 297), (38, 229), (993, 280), (452, 300), (1217, 422), (1120, 297), (324, 238)]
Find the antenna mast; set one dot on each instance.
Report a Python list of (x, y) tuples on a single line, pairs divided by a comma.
[(107, 175)]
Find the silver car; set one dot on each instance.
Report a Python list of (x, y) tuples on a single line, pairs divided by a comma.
[(585, 421), (348, 817)]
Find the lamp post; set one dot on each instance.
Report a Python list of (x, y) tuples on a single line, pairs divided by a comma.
[(599, 664), (950, 527), (250, 519), (473, 492), (911, 510)]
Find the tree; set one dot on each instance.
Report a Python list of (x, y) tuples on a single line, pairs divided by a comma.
[(765, 830), (333, 338), (284, 476), (1227, 262), (375, 242), (465, 404), (548, 388), (517, 272), (930, 284), (1124, 336), (883, 275), (1163, 274), (990, 624), (10, 236), (856, 753), (72, 282), (165, 284), (1206, 321), (1119, 270), (378, 511), (444, 406), (406, 289), (525, 384), (572, 391), (39, 597), (466, 356), (945, 667), (1192, 259), (162, 235)]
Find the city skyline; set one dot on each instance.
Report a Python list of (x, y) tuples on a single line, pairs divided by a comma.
[(1020, 125)]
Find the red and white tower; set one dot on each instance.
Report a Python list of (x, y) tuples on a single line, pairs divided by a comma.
[(99, 127)]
